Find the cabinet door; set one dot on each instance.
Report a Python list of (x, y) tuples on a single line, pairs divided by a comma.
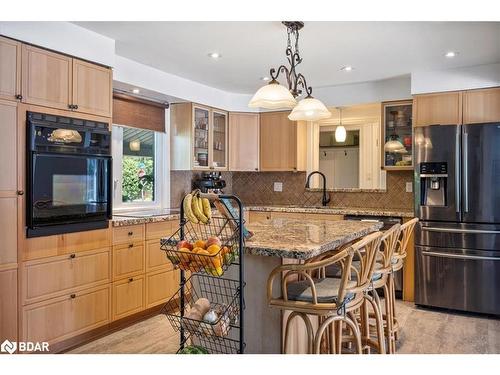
[(244, 141), (482, 106), (128, 260), (201, 138), (278, 142), (438, 109), (92, 88), (8, 305), (161, 286), (8, 230), (219, 140), (128, 297), (10, 68), (46, 78)]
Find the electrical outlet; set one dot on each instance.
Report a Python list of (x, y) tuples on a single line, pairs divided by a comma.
[(278, 186), (409, 187)]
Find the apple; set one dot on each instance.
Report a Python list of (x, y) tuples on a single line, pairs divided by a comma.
[(213, 241), (184, 244)]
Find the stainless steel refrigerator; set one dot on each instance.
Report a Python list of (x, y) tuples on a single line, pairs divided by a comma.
[(457, 184)]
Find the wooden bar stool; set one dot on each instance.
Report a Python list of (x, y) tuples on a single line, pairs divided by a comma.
[(332, 300)]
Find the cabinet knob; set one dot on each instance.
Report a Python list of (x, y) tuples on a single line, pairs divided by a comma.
[(20, 192), (131, 279), (70, 106), (72, 256), (131, 245), (73, 295), (256, 169), (75, 106), (19, 97), (130, 233)]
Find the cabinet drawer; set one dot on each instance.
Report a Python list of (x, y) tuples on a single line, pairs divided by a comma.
[(128, 234), (128, 260), (255, 217), (160, 286), (155, 257), (51, 277), (128, 297), (69, 315), (160, 229)]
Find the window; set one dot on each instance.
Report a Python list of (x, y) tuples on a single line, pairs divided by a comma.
[(138, 156)]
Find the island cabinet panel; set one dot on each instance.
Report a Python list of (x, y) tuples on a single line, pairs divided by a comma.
[(10, 69), (438, 109), (161, 286), (255, 216), (46, 78), (128, 234), (92, 88), (68, 243), (128, 260), (244, 141), (128, 297), (283, 143), (482, 106), (50, 277), (8, 305), (63, 317)]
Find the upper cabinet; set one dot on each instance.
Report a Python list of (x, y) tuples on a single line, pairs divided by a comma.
[(92, 88), (438, 109), (10, 69), (482, 106), (244, 141), (58, 81), (199, 137), (283, 143), (397, 130)]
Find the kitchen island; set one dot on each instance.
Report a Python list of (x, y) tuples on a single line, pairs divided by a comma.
[(282, 241)]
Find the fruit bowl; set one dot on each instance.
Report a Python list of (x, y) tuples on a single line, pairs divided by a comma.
[(205, 248)]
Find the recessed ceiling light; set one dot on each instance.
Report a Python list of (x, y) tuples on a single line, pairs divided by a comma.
[(265, 78), (347, 68), (215, 55), (136, 91), (451, 54)]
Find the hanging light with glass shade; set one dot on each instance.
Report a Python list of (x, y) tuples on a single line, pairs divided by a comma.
[(340, 132), (135, 145), (394, 145), (276, 96)]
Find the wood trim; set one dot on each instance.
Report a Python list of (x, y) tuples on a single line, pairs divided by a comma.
[(8, 266), (25, 107), (409, 268), (138, 114)]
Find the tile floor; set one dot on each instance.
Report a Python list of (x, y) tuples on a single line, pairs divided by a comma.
[(423, 331)]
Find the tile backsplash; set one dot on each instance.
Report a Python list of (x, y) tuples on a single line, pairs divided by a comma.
[(256, 188)]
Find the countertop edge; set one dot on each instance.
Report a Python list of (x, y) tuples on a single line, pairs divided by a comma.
[(333, 211)]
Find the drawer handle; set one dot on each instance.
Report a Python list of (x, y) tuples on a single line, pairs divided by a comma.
[(131, 245), (73, 295), (130, 233), (131, 279), (72, 256)]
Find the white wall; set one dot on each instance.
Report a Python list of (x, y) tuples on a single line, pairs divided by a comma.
[(64, 37), (471, 77), (366, 92)]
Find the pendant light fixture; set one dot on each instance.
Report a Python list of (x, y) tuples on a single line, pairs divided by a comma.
[(276, 96), (394, 145), (340, 132)]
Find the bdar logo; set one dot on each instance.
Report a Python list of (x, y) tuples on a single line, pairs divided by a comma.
[(8, 347)]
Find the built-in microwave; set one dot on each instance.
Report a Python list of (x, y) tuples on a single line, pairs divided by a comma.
[(68, 175)]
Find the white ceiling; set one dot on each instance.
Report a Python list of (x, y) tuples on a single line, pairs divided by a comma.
[(376, 50)]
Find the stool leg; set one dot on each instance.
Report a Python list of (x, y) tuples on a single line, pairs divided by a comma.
[(388, 317), (309, 329), (377, 311), (365, 326), (321, 329), (356, 332)]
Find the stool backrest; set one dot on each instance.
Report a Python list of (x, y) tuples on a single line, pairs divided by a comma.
[(388, 245), (404, 237)]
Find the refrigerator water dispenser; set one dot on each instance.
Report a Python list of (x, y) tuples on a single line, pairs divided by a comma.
[(433, 181)]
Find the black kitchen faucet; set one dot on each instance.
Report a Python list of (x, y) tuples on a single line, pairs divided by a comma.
[(325, 199)]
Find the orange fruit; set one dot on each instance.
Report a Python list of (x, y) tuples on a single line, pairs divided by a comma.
[(196, 249), (213, 249), (200, 243), (216, 261)]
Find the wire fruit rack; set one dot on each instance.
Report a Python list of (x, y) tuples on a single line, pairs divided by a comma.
[(224, 333)]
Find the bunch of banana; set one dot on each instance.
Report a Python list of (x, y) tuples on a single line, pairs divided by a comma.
[(197, 209)]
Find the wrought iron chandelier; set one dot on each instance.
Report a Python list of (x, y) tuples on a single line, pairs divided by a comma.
[(276, 96)]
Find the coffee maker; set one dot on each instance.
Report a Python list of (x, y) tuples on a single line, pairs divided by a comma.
[(433, 181), (210, 182)]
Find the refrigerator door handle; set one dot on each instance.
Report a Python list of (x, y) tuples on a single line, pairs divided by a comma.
[(458, 256), (465, 151), (454, 230), (457, 170)]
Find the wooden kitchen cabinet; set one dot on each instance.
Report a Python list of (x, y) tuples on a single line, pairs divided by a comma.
[(282, 143), (8, 305), (10, 69), (46, 78), (482, 106), (161, 286), (128, 234), (244, 140), (128, 260), (128, 297), (438, 109)]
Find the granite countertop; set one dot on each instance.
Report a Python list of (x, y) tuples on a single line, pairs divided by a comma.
[(299, 239), (142, 217), (333, 210)]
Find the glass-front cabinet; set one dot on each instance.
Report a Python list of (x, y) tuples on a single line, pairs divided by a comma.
[(397, 135), (209, 138)]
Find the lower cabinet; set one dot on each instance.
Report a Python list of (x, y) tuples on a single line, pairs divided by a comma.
[(8, 305), (128, 297), (259, 216), (128, 260), (66, 316), (161, 286)]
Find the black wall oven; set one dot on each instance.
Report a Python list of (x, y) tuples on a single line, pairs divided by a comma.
[(68, 175)]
